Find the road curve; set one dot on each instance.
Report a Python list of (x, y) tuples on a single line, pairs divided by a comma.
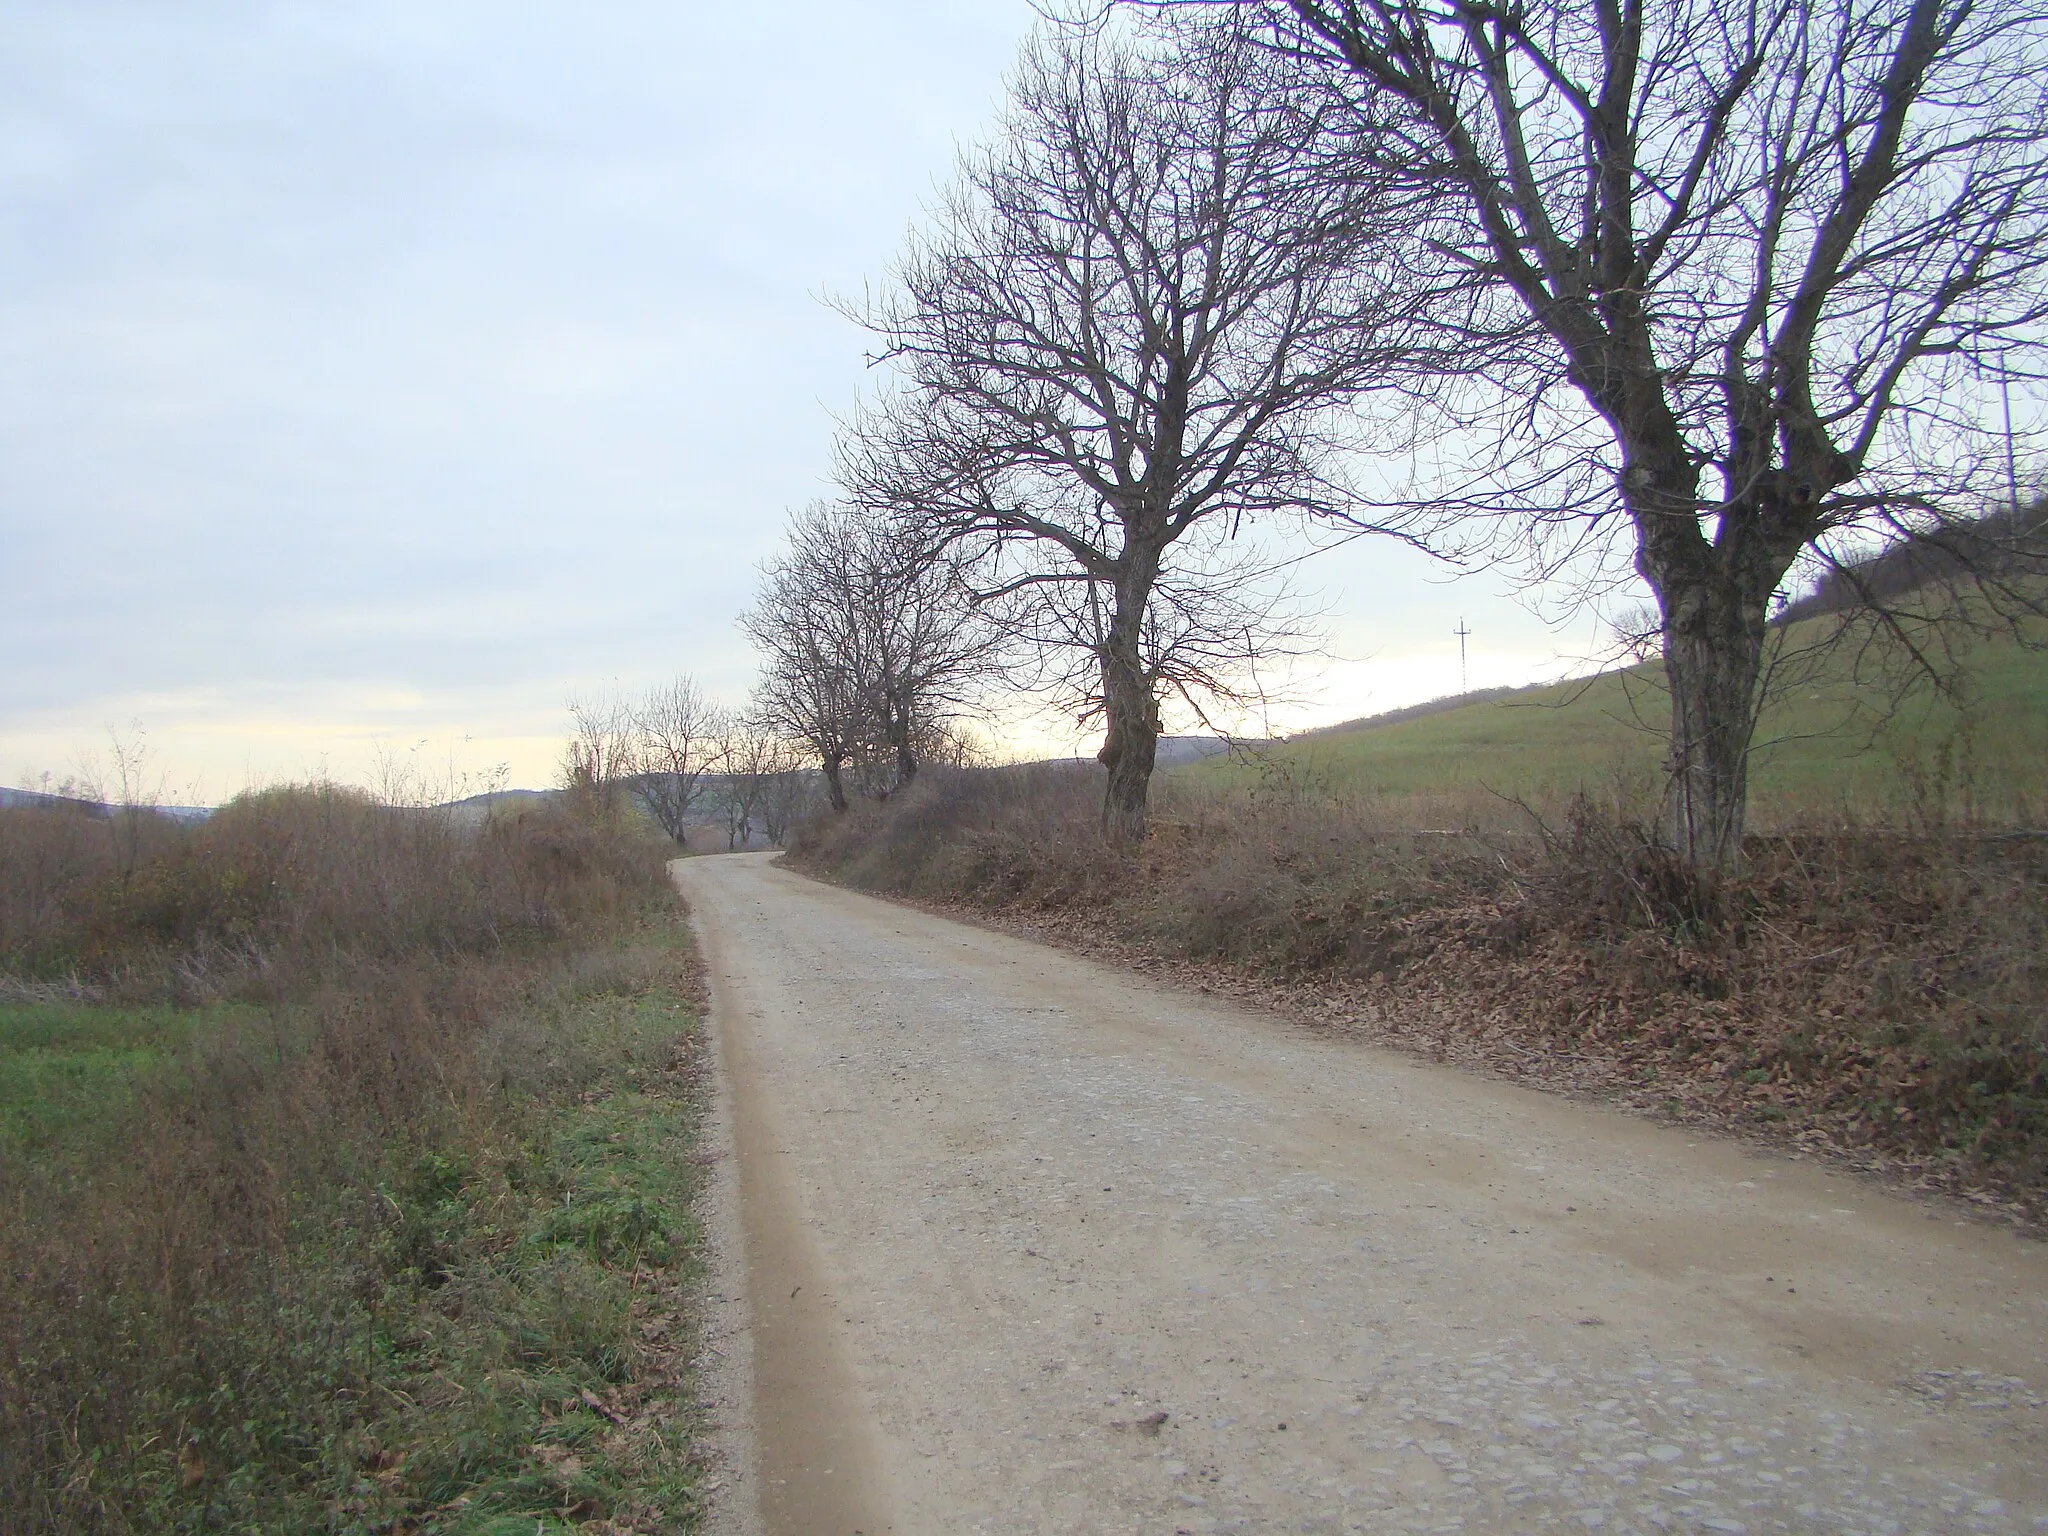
[(1036, 1245)]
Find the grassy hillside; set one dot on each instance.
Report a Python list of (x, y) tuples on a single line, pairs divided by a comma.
[(1830, 745)]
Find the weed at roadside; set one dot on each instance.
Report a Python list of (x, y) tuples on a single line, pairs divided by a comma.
[(399, 1244)]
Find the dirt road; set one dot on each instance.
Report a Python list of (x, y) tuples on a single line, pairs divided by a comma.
[(1033, 1245)]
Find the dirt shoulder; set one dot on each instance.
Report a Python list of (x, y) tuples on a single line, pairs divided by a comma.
[(1094, 1252), (1442, 1023)]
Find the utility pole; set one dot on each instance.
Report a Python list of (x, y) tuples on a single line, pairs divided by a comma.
[(1464, 683), (2012, 478)]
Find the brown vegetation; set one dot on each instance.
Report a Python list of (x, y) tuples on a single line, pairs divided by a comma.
[(351, 1257), (283, 886), (1879, 994)]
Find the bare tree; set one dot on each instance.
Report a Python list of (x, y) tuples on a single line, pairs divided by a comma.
[(809, 686), (676, 732), (788, 789), (1760, 253), (131, 787), (603, 754), (742, 767), (1124, 340), (929, 646), (872, 643), (765, 785)]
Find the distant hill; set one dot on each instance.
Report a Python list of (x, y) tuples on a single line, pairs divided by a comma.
[(475, 808), (11, 798), (1176, 751), (2009, 544), (1414, 711)]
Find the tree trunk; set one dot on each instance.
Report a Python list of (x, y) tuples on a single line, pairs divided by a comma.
[(898, 708), (835, 790), (1131, 742), (1712, 656), (1713, 597), (1128, 751)]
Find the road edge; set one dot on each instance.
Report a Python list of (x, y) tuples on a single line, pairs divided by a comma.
[(1336, 1011), (725, 1379)]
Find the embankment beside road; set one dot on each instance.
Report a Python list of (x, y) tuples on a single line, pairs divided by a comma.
[(1872, 994)]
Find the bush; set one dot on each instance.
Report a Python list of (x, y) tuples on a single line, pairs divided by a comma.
[(300, 879)]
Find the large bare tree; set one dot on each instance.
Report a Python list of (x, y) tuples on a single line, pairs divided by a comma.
[(1761, 253), (1124, 339)]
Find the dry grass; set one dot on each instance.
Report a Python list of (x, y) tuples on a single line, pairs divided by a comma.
[(286, 884), (314, 1272), (1879, 993)]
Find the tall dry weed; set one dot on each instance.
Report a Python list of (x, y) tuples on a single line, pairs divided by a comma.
[(284, 884), (183, 1286)]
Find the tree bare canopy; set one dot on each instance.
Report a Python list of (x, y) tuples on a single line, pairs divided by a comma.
[(603, 751), (1125, 338), (677, 733), (765, 785), (1763, 253), (872, 646)]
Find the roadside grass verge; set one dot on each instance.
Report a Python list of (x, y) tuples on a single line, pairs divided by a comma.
[(1873, 993), (376, 1215)]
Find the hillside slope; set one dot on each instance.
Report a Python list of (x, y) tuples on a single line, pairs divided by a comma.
[(1833, 744)]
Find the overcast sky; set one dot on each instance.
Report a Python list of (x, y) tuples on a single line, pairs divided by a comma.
[(377, 374)]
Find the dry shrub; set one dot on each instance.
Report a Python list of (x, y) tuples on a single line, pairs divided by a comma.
[(193, 1283), (1027, 836), (1285, 882), (49, 854), (1858, 986), (296, 880)]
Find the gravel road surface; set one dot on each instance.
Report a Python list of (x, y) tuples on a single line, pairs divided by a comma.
[(1030, 1244)]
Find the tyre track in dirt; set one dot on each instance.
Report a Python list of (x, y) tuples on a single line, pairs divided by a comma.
[(1005, 1208)]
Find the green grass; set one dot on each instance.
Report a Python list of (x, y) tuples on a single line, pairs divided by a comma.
[(511, 1355), (496, 1319), (68, 1068), (473, 1323), (1830, 745)]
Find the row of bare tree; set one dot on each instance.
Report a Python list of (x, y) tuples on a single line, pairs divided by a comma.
[(1708, 291), (873, 648), (687, 761)]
